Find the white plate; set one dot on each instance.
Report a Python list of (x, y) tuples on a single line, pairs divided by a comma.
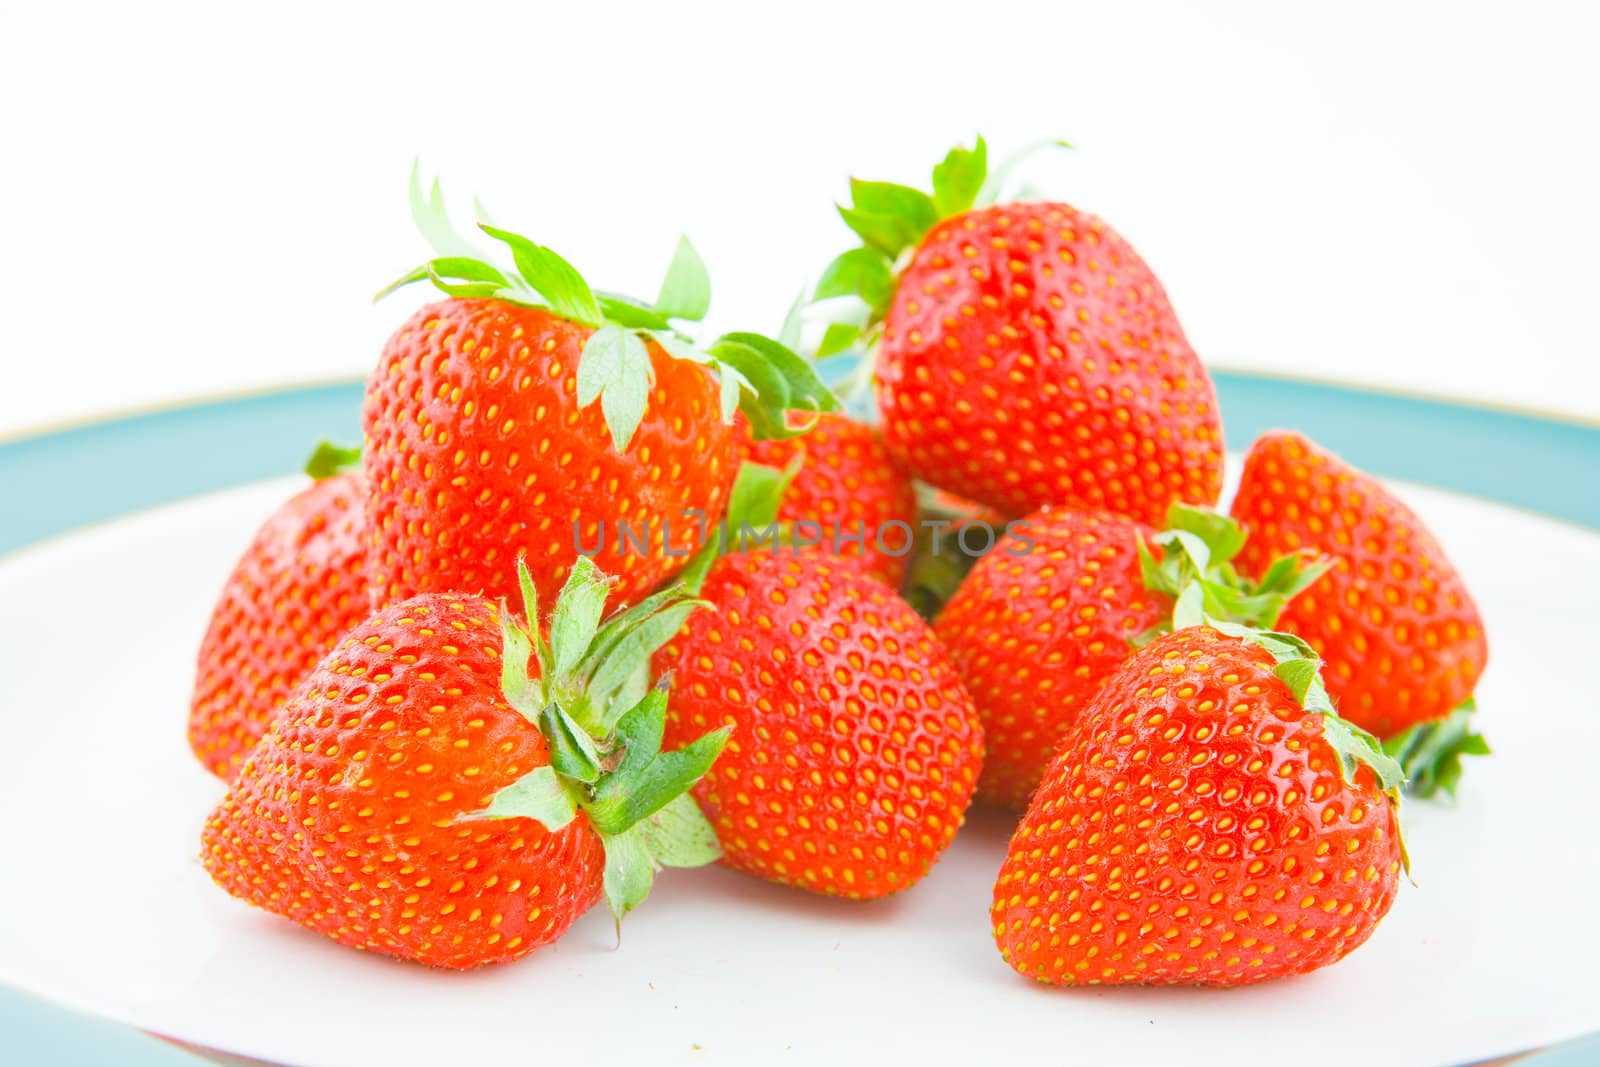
[(104, 907)]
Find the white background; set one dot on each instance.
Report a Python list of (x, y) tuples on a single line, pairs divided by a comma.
[(200, 197)]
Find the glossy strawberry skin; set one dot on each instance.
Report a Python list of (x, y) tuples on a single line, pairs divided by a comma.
[(477, 450), (346, 817), (846, 484), (1030, 357), (854, 750), (1195, 828), (297, 588), (1037, 626), (1402, 639)]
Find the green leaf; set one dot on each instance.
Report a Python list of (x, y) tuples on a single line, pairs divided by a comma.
[(645, 792), (838, 337), (1430, 752), (1189, 609), (572, 750), (454, 276), (530, 612), (679, 835), (995, 186), (861, 273), (632, 690), (732, 385), (914, 206), (638, 734), (552, 277), (805, 388), (433, 220), (789, 332), (1222, 535), (958, 179), (632, 653), (1305, 681), (629, 872), (415, 274), (1188, 545), (1198, 546), (889, 234), (579, 609), (781, 381), (538, 795), (329, 459), (763, 395), (626, 311), (686, 290), (1356, 746), (758, 493), (679, 348), (615, 366), (521, 690)]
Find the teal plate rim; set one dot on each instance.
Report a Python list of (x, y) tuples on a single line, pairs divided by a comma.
[(61, 480)]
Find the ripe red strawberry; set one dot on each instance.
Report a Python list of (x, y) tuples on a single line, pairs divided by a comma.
[(1059, 603), (1026, 354), (451, 788), (1208, 821), (1402, 638), (846, 486), (484, 441), (297, 588), (477, 450), (1037, 626), (854, 750)]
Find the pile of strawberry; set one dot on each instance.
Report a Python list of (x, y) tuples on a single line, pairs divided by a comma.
[(519, 652)]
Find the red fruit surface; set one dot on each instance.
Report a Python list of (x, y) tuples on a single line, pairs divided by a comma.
[(477, 450), (1037, 626), (345, 818), (847, 484), (1195, 828), (1030, 357), (1400, 635), (854, 750), (295, 591)]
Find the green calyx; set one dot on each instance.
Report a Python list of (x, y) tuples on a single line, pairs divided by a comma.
[(1430, 752), (758, 375), (1198, 547), (892, 219), (329, 459), (1196, 567), (589, 693)]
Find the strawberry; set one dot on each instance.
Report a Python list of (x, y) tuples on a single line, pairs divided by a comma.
[(1208, 820), (1061, 602), (853, 750), (297, 588), (1402, 638), (484, 440), (847, 494), (452, 787), (1025, 354), (1037, 626)]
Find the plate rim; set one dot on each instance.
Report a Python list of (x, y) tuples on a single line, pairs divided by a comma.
[(1516, 458)]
